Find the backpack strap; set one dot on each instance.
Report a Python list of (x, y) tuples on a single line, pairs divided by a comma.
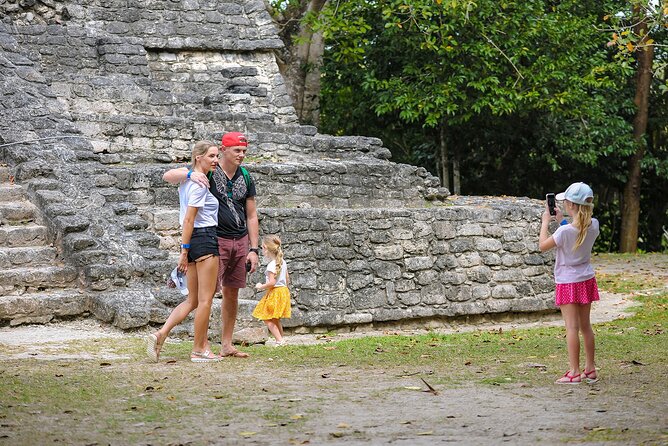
[(246, 175)]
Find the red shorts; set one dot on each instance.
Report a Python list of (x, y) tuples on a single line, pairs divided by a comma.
[(232, 267), (582, 293)]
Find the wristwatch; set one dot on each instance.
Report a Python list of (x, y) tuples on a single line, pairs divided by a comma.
[(255, 250)]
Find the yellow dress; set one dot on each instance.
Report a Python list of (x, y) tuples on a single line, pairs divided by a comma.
[(275, 304)]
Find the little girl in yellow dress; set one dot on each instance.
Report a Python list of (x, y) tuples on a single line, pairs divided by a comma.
[(275, 304)]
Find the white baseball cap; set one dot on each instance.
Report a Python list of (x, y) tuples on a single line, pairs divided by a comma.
[(578, 193), (180, 281)]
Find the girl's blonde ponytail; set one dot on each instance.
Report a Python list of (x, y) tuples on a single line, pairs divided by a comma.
[(582, 221)]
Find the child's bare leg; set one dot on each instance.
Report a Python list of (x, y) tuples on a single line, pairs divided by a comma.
[(273, 328), (587, 336), (572, 320), (280, 326)]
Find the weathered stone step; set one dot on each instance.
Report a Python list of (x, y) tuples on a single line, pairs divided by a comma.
[(12, 192), (23, 235), (41, 307), (17, 211), (18, 280), (5, 173), (31, 255)]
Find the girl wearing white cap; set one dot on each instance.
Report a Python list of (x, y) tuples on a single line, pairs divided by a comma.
[(574, 276)]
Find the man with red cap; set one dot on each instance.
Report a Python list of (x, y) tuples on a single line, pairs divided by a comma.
[(237, 230)]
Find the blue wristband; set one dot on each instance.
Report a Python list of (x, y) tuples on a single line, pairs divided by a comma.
[(189, 173), (185, 245)]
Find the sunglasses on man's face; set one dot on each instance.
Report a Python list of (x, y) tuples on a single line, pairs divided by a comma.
[(229, 189)]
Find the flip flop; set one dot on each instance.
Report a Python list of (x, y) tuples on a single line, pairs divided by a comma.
[(588, 378), (205, 356), (152, 349), (235, 354), (569, 379)]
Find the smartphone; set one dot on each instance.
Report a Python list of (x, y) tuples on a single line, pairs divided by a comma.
[(551, 204), (248, 266)]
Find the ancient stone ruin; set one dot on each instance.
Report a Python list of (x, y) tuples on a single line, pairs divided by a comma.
[(100, 97)]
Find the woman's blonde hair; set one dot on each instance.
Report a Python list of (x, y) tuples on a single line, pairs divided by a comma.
[(273, 245), (200, 148), (582, 220)]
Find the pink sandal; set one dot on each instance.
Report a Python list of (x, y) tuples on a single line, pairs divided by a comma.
[(589, 377), (569, 379)]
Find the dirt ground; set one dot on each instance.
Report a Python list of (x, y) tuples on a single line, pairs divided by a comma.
[(339, 404)]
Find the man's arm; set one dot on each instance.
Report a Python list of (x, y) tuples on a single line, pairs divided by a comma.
[(253, 230), (180, 174)]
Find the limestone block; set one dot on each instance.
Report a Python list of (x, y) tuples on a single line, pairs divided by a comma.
[(388, 252), (480, 292), (369, 298), (508, 275), (426, 277), (453, 277), (410, 298), (386, 270), (359, 281), (469, 259), (361, 266), (490, 258), (312, 299), (416, 247), (461, 245), (434, 294), (505, 291), (358, 318), (418, 263), (510, 260), (166, 220), (487, 244), (390, 314), (480, 274), (469, 229)]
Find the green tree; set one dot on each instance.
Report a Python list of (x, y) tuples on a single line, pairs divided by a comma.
[(445, 65), (635, 34)]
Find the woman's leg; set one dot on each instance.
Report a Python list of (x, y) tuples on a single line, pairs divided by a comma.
[(272, 325), (178, 314), (280, 326), (587, 336), (572, 320), (205, 274)]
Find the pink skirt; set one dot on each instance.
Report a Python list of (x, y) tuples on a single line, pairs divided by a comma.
[(582, 293)]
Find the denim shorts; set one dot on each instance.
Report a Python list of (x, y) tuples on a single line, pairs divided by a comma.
[(203, 242)]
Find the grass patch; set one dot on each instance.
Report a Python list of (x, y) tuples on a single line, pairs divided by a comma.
[(283, 389), (628, 284)]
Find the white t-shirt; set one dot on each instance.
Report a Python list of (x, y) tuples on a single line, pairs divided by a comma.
[(574, 266), (282, 277), (192, 194)]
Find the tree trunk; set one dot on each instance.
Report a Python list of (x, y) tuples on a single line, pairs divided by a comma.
[(456, 176), (443, 168), (301, 59), (631, 199)]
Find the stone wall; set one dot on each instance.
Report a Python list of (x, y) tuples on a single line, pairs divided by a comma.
[(375, 265)]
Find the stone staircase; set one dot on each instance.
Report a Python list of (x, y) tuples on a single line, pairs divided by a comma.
[(35, 285)]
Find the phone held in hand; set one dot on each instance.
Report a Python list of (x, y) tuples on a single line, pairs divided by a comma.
[(248, 266), (551, 204)]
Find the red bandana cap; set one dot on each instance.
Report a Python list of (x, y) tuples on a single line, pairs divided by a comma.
[(234, 139)]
